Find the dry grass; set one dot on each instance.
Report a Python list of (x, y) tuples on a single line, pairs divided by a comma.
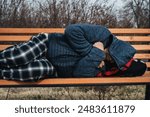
[(80, 93)]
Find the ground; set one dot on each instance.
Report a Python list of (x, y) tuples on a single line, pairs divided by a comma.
[(81, 93)]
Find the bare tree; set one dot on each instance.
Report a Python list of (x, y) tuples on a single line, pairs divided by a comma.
[(138, 11), (15, 13), (54, 13)]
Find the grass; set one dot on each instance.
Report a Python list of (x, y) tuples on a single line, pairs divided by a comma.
[(74, 93)]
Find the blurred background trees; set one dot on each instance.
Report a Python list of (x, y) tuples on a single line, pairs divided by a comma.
[(135, 13), (59, 13)]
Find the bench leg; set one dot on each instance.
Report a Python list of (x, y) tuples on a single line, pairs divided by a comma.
[(147, 92)]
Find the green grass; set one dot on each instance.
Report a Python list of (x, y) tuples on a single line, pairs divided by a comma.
[(76, 93)]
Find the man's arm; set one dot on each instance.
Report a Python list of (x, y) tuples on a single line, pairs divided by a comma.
[(91, 64), (81, 37), (100, 46), (76, 38), (88, 47)]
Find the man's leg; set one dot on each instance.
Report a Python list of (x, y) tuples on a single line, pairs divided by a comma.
[(33, 71), (24, 53)]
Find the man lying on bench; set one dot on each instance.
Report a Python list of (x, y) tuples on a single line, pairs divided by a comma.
[(84, 50)]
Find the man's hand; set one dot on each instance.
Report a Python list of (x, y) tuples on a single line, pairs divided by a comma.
[(102, 64), (99, 45)]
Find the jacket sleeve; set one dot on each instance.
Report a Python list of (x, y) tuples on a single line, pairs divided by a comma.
[(81, 37), (88, 65), (76, 38)]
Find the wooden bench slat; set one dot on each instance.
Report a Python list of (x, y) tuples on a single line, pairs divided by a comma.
[(142, 56), (148, 64), (61, 30), (129, 31), (147, 74), (79, 81), (141, 47), (30, 30), (2, 47), (135, 38), (12, 38), (26, 38)]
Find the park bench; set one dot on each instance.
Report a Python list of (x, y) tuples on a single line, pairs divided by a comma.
[(139, 38)]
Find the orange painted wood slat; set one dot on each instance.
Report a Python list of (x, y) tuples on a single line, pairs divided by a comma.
[(141, 47), (148, 64), (147, 74), (12, 38), (130, 31), (30, 30), (79, 81), (142, 56), (2, 47), (135, 38), (61, 30)]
